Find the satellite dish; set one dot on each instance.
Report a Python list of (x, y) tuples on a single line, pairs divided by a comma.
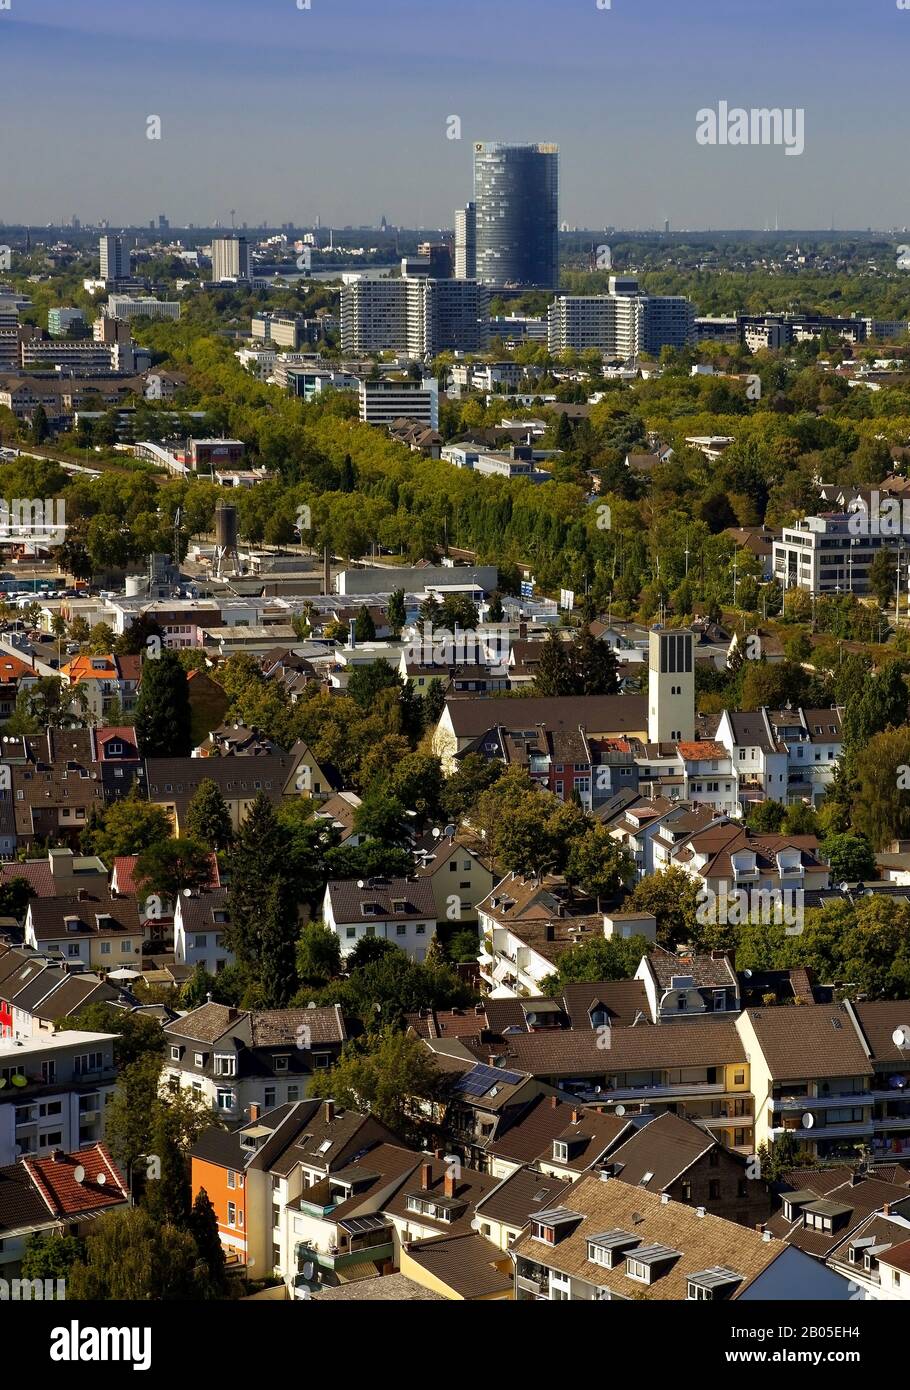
[(808, 1121), (620, 1111), (360, 883), (79, 1173), (102, 1179), (436, 832), (312, 1004), (309, 1269), (901, 1036), (449, 830)]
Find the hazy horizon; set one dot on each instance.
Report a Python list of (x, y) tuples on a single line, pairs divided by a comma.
[(341, 111)]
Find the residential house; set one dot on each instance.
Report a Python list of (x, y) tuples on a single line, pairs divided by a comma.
[(558, 1137), (505, 1212), (35, 993), (698, 1069), (199, 931), (811, 1077), (823, 1209), (610, 1241), (106, 682), (254, 1172), (458, 875), (465, 1267), (525, 927), (673, 1155), (399, 910), (234, 1058), (58, 1194), (600, 716), (685, 986), (53, 1092), (95, 929)]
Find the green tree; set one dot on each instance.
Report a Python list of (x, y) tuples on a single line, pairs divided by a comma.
[(207, 818), (364, 627), (397, 614), (390, 1075), (880, 805), (264, 924), (50, 1255), (598, 865), (163, 716), (600, 958), (318, 954), (555, 675), (203, 1227), (672, 897), (850, 857), (594, 666), (125, 827), (129, 1256), (173, 867)]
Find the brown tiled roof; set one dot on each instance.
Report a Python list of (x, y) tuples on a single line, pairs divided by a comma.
[(624, 1001), (521, 1194), (723, 841), (208, 1023), (898, 1257), (416, 894), (36, 872), (531, 1135), (708, 971), (702, 1242), (276, 1027), (47, 915), (665, 1147), (816, 1040), (385, 1288), (597, 714), (470, 1265), (879, 1020), (701, 1043), (67, 1194), (470, 1186)]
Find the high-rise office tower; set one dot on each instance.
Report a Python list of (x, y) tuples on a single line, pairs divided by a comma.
[(115, 259), (516, 193), (230, 258), (466, 242)]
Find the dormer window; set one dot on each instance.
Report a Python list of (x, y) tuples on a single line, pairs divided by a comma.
[(649, 1262), (225, 1064), (71, 923), (560, 1151), (551, 1226), (712, 1285)]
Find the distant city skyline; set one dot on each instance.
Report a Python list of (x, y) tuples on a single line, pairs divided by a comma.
[(343, 111)]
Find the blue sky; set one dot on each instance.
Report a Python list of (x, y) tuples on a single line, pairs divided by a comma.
[(341, 110)]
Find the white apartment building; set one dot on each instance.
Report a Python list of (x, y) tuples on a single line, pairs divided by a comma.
[(125, 307), (620, 324), (828, 554), (53, 1092), (231, 258), (395, 398), (414, 314)]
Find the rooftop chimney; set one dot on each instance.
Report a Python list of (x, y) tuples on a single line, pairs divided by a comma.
[(576, 1116), (329, 1110), (554, 1102), (664, 1199), (426, 1173), (449, 1184), (254, 1112)]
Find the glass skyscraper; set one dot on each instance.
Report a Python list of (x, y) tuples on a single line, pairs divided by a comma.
[(516, 194)]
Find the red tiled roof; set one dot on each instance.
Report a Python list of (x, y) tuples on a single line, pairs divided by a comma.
[(125, 869), (102, 1186)]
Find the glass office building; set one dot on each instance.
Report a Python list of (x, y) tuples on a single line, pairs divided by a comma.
[(516, 195)]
